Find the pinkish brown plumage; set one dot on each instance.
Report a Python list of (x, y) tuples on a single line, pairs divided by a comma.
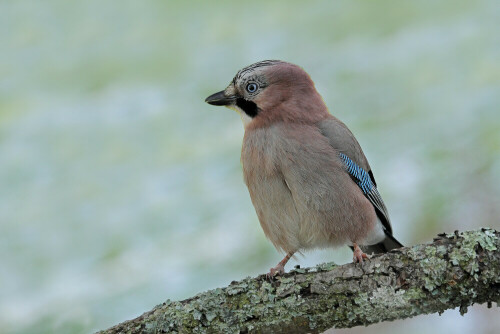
[(306, 173)]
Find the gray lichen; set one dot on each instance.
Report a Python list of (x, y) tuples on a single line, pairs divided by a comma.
[(456, 270)]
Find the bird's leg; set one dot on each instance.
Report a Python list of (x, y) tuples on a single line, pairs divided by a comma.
[(358, 254), (280, 267)]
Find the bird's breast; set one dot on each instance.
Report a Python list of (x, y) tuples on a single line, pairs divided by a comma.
[(262, 156), (260, 152)]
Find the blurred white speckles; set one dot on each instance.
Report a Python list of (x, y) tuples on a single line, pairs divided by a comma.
[(120, 187)]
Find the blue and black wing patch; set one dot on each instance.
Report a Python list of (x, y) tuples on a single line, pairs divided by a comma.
[(361, 177), (367, 184)]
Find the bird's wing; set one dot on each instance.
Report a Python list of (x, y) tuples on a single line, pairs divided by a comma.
[(356, 164), (342, 139), (363, 180)]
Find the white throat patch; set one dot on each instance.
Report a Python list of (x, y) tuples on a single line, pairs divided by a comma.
[(244, 117)]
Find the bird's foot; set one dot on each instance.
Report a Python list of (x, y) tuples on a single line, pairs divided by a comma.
[(358, 255), (278, 270), (280, 267)]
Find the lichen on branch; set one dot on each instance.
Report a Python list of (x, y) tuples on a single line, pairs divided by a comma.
[(455, 270)]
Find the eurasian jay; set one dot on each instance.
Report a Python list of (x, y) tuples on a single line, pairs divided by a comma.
[(308, 178)]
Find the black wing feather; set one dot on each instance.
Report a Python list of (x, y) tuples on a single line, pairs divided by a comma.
[(372, 177)]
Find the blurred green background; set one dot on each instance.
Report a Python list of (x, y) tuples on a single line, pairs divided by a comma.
[(120, 187)]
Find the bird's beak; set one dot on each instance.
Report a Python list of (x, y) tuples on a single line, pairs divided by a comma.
[(220, 99)]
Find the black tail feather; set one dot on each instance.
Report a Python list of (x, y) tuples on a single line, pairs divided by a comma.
[(388, 244)]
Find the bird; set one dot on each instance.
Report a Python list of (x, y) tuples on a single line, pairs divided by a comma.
[(309, 181)]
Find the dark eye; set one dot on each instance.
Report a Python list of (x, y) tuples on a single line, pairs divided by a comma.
[(252, 87)]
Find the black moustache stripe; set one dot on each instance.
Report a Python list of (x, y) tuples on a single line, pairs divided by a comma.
[(248, 107)]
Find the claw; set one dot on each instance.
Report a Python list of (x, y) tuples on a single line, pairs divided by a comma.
[(278, 270), (280, 267), (358, 255)]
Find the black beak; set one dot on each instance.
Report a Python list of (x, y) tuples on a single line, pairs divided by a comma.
[(220, 99)]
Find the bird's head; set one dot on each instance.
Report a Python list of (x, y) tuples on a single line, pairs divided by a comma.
[(271, 91)]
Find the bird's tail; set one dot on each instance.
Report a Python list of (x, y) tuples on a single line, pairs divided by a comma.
[(383, 247)]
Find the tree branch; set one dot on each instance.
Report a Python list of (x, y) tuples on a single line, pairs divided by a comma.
[(455, 270)]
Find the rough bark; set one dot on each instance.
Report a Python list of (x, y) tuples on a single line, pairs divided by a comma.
[(455, 270)]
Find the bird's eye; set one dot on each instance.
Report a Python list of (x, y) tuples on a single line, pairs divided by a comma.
[(252, 87)]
